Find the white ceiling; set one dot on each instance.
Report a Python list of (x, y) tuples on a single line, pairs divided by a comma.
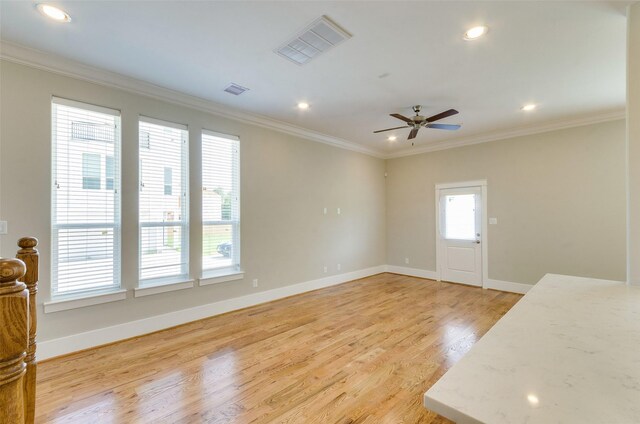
[(568, 57)]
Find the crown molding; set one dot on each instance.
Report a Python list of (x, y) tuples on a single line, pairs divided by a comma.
[(512, 133), (49, 62)]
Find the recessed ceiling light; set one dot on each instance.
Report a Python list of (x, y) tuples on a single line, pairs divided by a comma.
[(529, 107), (303, 105), (54, 13), (475, 32), (392, 138)]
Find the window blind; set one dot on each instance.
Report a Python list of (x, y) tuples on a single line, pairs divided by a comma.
[(163, 202), (85, 218), (220, 203)]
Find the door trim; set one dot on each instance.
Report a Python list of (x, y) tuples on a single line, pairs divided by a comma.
[(485, 230)]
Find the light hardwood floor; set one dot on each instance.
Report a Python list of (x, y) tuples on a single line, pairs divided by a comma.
[(361, 352)]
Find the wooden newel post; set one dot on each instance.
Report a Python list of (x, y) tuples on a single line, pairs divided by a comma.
[(29, 255), (14, 339)]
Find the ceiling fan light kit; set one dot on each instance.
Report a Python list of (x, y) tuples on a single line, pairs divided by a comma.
[(418, 121)]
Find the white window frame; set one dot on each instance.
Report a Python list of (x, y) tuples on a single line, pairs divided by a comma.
[(183, 224), (234, 271), (115, 288)]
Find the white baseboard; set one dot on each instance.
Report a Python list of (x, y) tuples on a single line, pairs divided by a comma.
[(507, 286), (75, 342), (412, 272)]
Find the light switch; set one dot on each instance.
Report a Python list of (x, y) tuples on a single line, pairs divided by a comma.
[(3, 227), (338, 211), (493, 221), (324, 211)]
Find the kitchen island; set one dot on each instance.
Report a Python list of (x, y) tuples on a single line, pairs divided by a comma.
[(567, 352)]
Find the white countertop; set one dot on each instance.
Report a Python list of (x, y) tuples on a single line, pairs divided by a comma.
[(567, 352)]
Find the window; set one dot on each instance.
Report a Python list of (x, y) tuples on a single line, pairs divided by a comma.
[(460, 217), (92, 131), (85, 219), (91, 171), (109, 173), (220, 203), (163, 202), (168, 181)]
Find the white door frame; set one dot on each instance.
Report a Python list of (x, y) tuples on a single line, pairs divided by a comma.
[(485, 220)]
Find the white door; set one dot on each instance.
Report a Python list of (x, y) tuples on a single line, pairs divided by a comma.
[(460, 230)]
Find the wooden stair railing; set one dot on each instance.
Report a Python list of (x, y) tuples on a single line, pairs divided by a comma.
[(29, 255), (18, 288), (14, 340)]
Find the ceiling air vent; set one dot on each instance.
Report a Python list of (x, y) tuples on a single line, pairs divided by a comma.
[(317, 38), (235, 89)]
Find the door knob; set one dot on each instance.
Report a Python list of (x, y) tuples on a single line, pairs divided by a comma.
[(477, 241)]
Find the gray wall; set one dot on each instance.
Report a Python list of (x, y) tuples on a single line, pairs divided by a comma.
[(559, 198), (286, 183)]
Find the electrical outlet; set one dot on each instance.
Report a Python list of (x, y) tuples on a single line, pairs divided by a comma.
[(325, 269), (4, 227), (255, 282), (339, 266), (406, 261), (493, 221)]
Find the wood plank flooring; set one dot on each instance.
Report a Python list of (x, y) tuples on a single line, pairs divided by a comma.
[(360, 352)]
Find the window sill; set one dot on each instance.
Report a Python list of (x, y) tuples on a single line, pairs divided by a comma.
[(222, 277), (162, 288), (80, 302)]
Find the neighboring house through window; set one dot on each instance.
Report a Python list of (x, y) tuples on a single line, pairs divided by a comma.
[(109, 173), (91, 171), (168, 184)]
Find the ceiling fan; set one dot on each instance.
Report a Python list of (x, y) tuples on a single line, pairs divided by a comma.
[(419, 121)]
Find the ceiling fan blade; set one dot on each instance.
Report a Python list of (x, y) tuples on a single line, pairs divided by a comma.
[(442, 115), (413, 133), (389, 129), (402, 118), (449, 127)]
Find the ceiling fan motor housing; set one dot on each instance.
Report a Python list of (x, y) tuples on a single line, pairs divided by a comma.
[(418, 120)]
